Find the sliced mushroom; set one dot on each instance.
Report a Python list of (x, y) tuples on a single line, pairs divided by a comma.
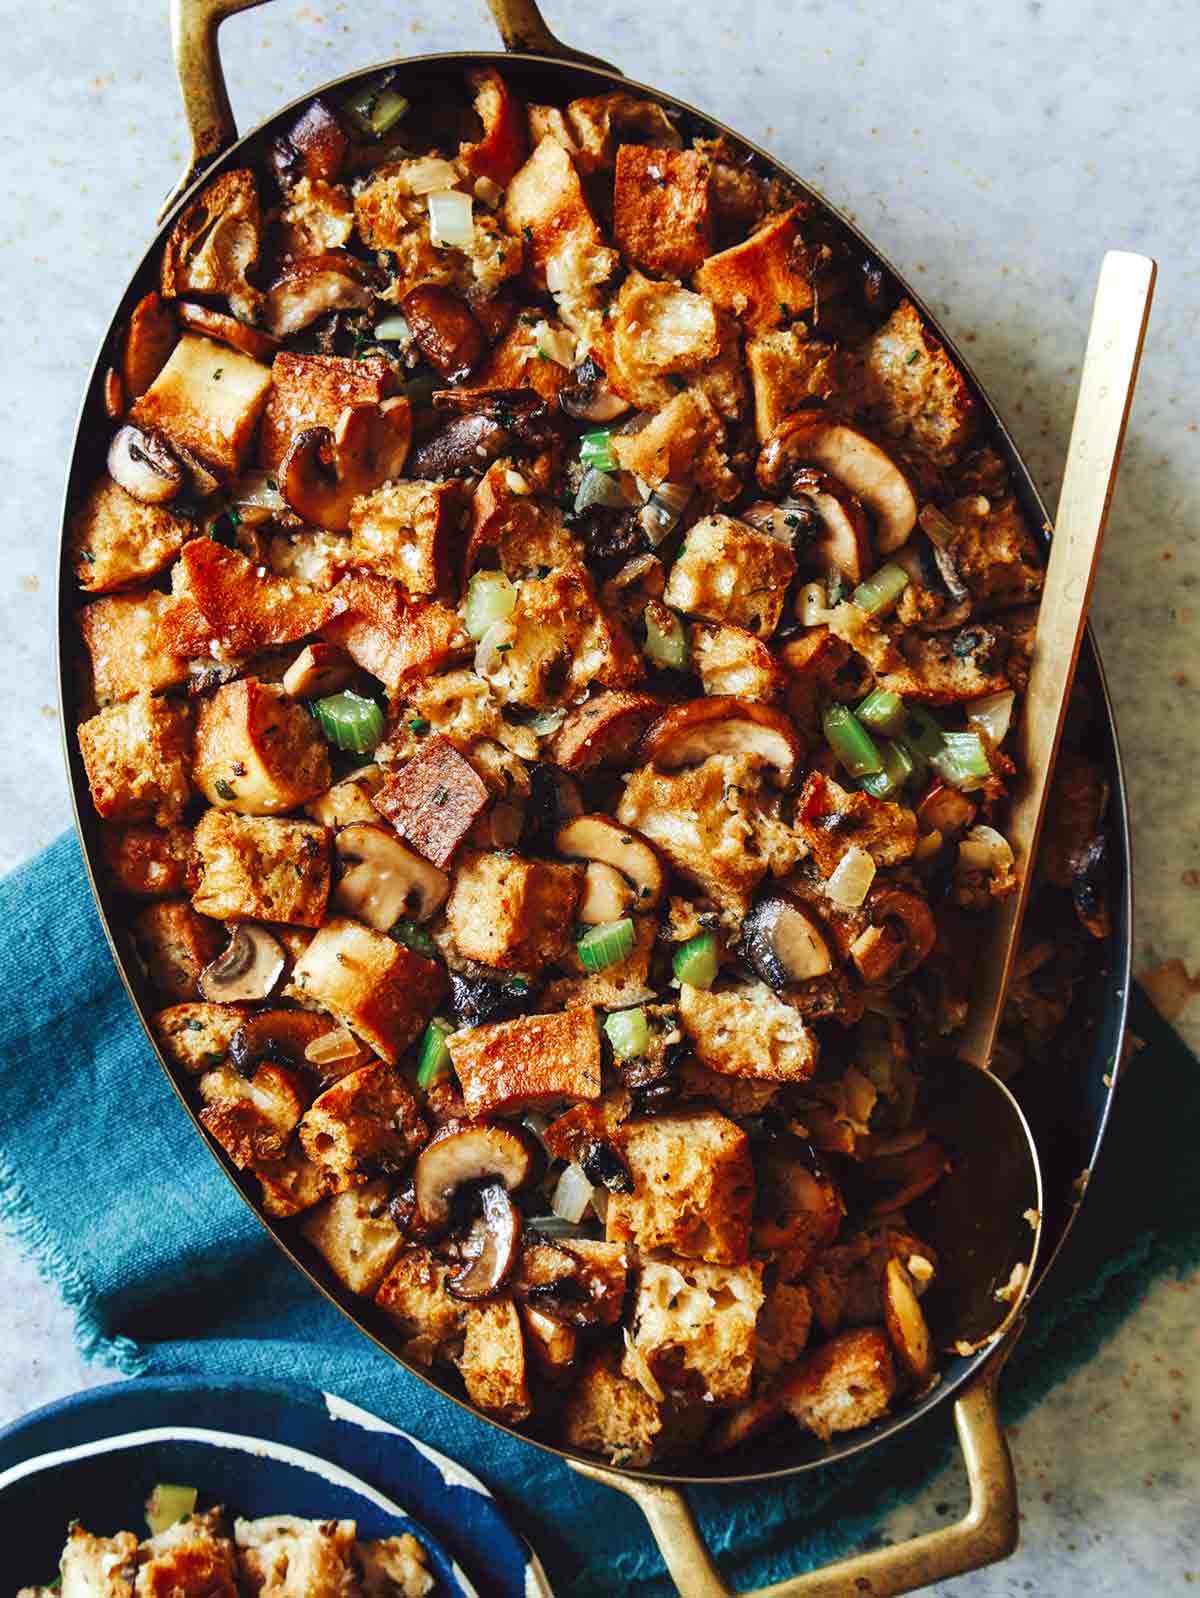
[(944, 809), (875, 953), (314, 286), (607, 895), (318, 669), (911, 920), (386, 880), (445, 328), (114, 395), (554, 799), (144, 467), (247, 968), (470, 1151), (477, 998), (603, 1166), (228, 330), (203, 483), (896, 1180), (468, 445), (806, 438), (604, 731), (723, 725), (588, 397), (281, 1035), (316, 144), (323, 473), (906, 1324), (149, 339), (822, 521), (783, 940), (489, 1251), (600, 838)]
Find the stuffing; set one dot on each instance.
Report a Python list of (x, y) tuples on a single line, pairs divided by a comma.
[(258, 751), (312, 391), (693, 1187), (789, 370), (660, 328), (684, 440), (913, 391), (348, 801), (599, 1274), (433, 800), (225, 606), (531, 1063), (529, 356), (747, 1031), (366, 1122), (845, 1383), (356, 1234), (405, 530), (608, 1413), (282, 1556), (215, 244), (310, 555), (550, 1343), (730, 660), (623, 983), (600, 124), (378, 988), (137, 756), (511, 913), (604, 731), (148, 862), (799, 1213), (492, 1363), (784, 1322), (191, 1559), (98, 1567), (941, 668), (502, 148), (115, 541), (262, 868), (413, 1296), (395, 639), (174, 944), (994, 553), (318, 216), (395, 1568), (465, 711), (832, 820), (662, 217), (291, 1185), (252, 1118), (769, 278), (545, 204), (207, 400), (196, 1037), (812, 662), (727, 571), (528, 536), (693, 1324), (735, 1096)]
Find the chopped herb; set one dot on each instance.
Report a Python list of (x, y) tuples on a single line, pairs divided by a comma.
[(519, 985), (784, 308), (86, 554), (528, 232), (677, 381), (419, 725), (224, 791), (503, 649), (542, 356), (543, 571), (914, 356), (192, 1025), (218, 374), (239, 769), (440, 795), (965, 644)]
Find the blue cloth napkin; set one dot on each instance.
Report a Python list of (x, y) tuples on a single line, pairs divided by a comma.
[(105, 1183)]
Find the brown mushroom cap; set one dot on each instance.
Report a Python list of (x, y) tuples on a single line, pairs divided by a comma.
[(249, 967), (238, 335), (808, 438), (723, 724), (469, 1151), (445, 328), (784, 941), (324, 472), (385, 880), (600, 839), (314, 285), (284, 1035), (912, 921), (490, 1248), (144, 466)]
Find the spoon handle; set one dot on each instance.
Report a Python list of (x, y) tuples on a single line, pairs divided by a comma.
[(1110, 367)]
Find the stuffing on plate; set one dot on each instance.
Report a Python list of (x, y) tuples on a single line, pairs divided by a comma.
[(552, 626)]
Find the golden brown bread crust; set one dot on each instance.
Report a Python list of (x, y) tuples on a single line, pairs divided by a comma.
[(312, 391), (433, 799), (532, 1063), (377, 987), (662, 219)]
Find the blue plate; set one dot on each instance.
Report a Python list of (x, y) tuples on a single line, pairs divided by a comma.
[(261, 1449)]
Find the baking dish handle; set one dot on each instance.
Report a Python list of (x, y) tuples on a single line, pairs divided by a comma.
[(522, 27), (986, 1533)]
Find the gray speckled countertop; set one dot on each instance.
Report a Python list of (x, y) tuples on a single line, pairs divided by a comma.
[(993, 153)]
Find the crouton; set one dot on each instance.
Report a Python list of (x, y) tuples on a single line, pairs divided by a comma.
[(104, 1566), (293, 1184), (528, 536), (601, 123), (747, 1031), (433, 799), (693, 1187), (544, 202), (393, 638), (196, 1037), (137, 756), (366, 1122), (413, 1295), (500, 151), (994, 553), (257, 751), (623, 983), (693, 1324), (348, 801), (662, 218), (660, 328), (215, 243), (728, 571), (492, 1363), (787, 370), (148, 862), (730, 660), (941, 668), (812, 661), (174, 945), (784, 1323), (598, 1273), (831, 820), (318, 216), (607, 1413), (313, 391), (207, 399), (395, 1568), (262, 868), (252, 1118), (604, 731), (378, 988), (846, 1383), (115, 541), (914, 391), (404, 531), (685, 440), (282, 1556), (532, 1063), (356, 1234), (768, 279), (734, 1096), (512, 913), (522, 359), (221, 598), (310, 555)]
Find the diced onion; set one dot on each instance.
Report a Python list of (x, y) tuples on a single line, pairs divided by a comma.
[(811, 606), (938, 528), (993, 713), (338, 1044), (985, 849), (489, 653), (556, 344), (394, 328), (599, 1202), (852, 878), (491, 598), (602, 488), (547, 721), (430, 174), (260, 489), (450, 220), (640, 1370), (572, 1195), (489, 192)]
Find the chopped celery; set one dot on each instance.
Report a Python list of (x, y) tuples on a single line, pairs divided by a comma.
[(490, 598), (349, 721), (606, 944), (414, 937), (666, 641), (898, 767), (376, 107), (697, 961), (882, 711), (600, 488), (850, 741), (434, 1062), (166, 1505), (962, 761), (596, 450), (921, 733), (881, 589), (629, 1033)]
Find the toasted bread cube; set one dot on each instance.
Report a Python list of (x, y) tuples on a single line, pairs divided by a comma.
[(787, 370), (748, 1032), (413, 1295), (313, 391), (148, 862), (433, 799), (683, 440), (492, 1363), (252, 1118), (380, 989), (565, 249), (207, 399), (597, 1294), (528, 535), (102, 1565), (888, 832), (604, 731), (694, 1325), (662, 219), (366, 1122), (137, 756), (357, 1235), (196, 1037), (661, 328), (257, 751), (221, 604), (121, 634), (318, 216), (215, 242), (727, 571), (404, 530), (846, 1383), (396, 639), (623, 983), (914, 391), (348, 801), (767, 279), (601, 123), (282, 1554), (395, 1568), (784, 1324), (293, 1184), (512, 913), (175, 944), (693, 1187), (520, 360), (114, 541), (608, 1413), (531, 1063), (730, 660), (735, 1096), (261, 868), (191, 1559), (994, 553)]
